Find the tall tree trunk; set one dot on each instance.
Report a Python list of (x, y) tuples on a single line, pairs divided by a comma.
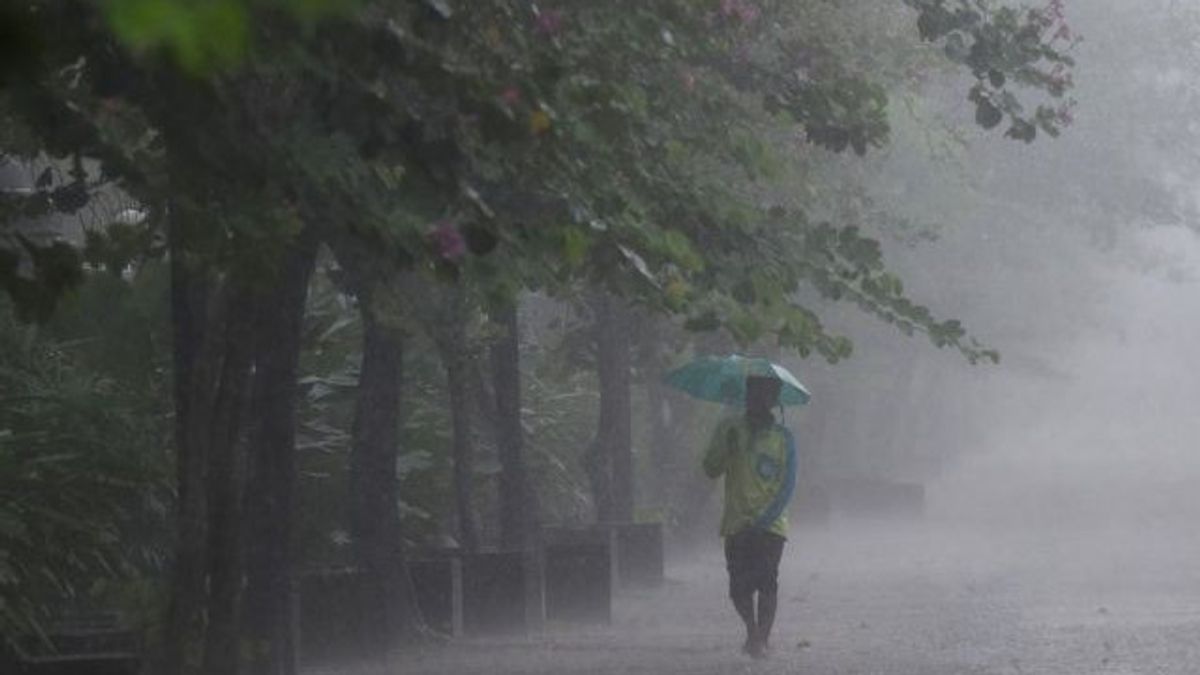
[(662, 441), (614, 437), (448, 328), (668, 416), (374, 492), (224, 487), (373, 489), (190, 292), (455, 358), (210, 324), (518, 503), (271, 486)]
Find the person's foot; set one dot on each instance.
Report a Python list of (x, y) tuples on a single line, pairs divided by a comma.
[(755, 646), (759, 649)]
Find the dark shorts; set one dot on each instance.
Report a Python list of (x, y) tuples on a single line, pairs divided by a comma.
[(752, 558)]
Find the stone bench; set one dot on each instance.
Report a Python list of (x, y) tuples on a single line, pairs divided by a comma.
[(342, 614), (484, 593), (579, 567), (438, 582), (332, 624), (500, 593), (639, 557)]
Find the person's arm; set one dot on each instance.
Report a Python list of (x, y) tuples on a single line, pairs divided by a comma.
[(787, 486), (716, 458)]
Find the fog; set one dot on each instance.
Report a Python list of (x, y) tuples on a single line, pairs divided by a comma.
[(394, 318), (1058, 534), (1077, 259), (1113, 439)]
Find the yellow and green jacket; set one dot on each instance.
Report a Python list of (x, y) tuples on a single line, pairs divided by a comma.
[(760, 474)]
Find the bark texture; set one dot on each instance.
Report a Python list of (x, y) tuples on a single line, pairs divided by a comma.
[(611, 465), (518, 504), (270, 497)]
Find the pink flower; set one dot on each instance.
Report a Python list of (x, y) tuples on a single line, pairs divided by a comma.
[(511, 96), (549, 22), (689, 80), (447, 241), (742, 10)]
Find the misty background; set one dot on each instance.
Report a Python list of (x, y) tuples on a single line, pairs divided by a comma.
[(1077, 259)]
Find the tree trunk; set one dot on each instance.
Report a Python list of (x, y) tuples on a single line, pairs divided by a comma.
[(455, 358), (373, 489), (190, 292), (666, 417), (269, 600), (614, 438), (446, 315), (518, 504), (662, 441), (224, 487), (212, 329), (374, 493)]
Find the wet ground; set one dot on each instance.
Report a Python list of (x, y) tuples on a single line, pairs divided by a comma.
[(891, 600)]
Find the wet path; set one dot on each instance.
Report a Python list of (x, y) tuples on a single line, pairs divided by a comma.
[(892, 602)]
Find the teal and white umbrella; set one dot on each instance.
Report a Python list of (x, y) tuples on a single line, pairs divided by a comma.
[(722, 379)]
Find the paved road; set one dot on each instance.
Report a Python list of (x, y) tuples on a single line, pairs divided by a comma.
[(896, 601)]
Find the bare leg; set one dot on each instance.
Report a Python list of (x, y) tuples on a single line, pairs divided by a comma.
[(743, 602), (772, 550), (766, 619)]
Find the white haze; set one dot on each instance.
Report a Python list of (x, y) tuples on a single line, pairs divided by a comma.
[(1115, 440), (1063, 484)]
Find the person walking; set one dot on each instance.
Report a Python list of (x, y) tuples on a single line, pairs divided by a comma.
[(756, 458)]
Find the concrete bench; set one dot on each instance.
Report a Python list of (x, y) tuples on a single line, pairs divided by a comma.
[(332, 624), (580, 568), (485, 593), (640, 560), (438, 582), (499, 594)]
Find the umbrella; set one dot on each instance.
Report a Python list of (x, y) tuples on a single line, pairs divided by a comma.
[(722, 379)]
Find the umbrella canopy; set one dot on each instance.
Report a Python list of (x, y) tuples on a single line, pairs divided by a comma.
[(722, 379)]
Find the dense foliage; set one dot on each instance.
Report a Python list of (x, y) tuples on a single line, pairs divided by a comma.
[(83, 448), (591, 138)]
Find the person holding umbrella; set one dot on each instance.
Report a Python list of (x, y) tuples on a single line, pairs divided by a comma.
[(756, 457)]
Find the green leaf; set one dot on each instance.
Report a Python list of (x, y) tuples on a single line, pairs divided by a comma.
[(200, 36), (681, 251), (575, 245)]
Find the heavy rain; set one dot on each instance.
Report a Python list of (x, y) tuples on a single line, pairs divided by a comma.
[(460, 337)]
